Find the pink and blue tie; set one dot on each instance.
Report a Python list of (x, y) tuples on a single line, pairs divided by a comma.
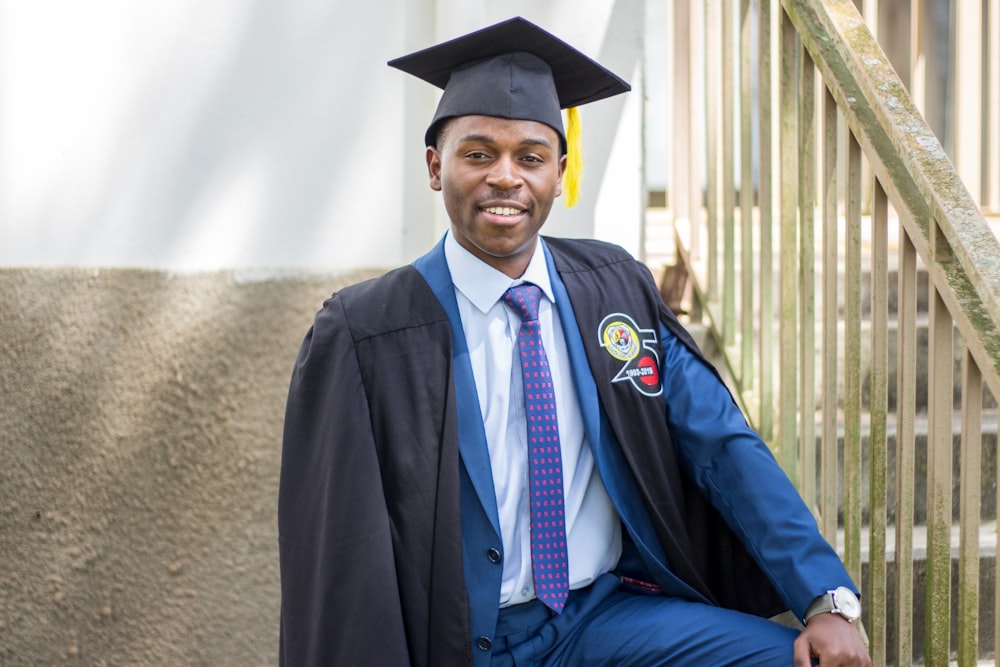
[(549, 564)]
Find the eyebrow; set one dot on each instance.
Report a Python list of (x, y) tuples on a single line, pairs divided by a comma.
[(486, 139)]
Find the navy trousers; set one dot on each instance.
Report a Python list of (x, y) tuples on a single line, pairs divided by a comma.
[(610, 624)]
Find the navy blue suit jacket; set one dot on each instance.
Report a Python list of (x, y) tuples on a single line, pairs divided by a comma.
[(386, 509), (797, 580)]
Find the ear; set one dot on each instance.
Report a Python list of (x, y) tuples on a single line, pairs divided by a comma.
[(434, 167), (562, 172)]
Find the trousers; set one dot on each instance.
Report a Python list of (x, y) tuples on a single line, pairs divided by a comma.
[(609, 623)]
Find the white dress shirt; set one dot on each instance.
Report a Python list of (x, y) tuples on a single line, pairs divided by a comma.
[(592, 526)]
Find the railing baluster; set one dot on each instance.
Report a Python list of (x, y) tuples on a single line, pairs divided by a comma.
[(807, 279), (877, 596), (766, 196), (684, 202), (939, 474), (699, 157), (967, 101), (992, 194), (789, 272), (969, 512), (746, 197), (852, 363), (713, 93), (831, 276), (906, 401), (926, 69), (728, 159)]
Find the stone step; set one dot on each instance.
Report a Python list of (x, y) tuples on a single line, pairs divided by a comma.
[(987, 587), (660, 253), (921, 377), (988, 464), (921, 370), (988, 468), (990, 425)]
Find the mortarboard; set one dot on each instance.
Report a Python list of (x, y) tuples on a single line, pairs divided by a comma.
[(516, 70)]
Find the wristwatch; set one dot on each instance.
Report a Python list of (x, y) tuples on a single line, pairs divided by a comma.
[(840, 600)]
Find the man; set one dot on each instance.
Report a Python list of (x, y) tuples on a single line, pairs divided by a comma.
[(510, 452)]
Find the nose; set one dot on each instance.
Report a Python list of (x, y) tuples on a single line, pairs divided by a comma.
[(503, 175)]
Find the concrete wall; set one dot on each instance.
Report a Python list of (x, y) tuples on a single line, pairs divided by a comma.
[(193, 135), (215, 134), (140, 427), (182, 183)]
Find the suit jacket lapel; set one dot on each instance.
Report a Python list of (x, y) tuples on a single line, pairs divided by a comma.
[(471, 435), (615, 473), (609, 461)]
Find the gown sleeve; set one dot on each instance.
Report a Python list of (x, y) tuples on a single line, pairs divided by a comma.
[(736, 472), (339, 590)]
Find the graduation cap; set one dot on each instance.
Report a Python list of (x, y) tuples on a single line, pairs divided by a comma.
[(515, 70)]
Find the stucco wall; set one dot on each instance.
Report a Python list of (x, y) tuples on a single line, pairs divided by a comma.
[(140, 410), (140, 430), (218, 134)]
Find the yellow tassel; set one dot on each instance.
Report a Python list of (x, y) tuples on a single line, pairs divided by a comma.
[(574, 157)]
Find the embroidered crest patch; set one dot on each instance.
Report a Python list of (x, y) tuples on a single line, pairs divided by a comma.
[(636, 348), (620, 339)]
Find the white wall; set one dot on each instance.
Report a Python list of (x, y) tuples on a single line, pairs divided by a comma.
[(206, 134)]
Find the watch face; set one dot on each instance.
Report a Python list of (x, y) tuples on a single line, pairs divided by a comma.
[(847, 603)]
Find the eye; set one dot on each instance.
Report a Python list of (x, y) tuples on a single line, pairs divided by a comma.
[(477, 155)]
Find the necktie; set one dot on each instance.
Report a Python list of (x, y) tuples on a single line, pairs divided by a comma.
[(549, 565)]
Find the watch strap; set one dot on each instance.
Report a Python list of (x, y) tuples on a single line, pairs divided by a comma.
[(841, 600), (821, 605)]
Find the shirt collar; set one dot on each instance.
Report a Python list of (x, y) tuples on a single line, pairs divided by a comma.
[(482, 284)]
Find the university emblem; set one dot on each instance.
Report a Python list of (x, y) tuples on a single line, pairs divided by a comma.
[(620, 340), (636, 348)]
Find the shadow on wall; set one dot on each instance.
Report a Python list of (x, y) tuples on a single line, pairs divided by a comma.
[(249, 134), (140, 425)]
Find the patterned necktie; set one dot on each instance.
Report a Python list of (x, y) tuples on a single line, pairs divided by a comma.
[(549, 564)]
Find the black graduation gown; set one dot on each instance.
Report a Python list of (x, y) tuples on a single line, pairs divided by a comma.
[(369, 516)]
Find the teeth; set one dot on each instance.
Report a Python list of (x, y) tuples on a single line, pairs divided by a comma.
[(502, 210)]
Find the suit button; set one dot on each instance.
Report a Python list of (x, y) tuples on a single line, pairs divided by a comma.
[(484, 644), (494, 555)]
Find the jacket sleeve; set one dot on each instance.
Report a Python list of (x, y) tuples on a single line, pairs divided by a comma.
[(736, 471), (339, 590)]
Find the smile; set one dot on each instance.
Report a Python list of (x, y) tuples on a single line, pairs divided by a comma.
[(503, 210)]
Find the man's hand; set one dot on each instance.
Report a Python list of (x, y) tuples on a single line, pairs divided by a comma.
[(833, 642)]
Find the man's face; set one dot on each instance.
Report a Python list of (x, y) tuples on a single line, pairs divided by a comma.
[(498, 178)]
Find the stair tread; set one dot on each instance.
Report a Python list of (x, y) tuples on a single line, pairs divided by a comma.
[(987, 541)]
